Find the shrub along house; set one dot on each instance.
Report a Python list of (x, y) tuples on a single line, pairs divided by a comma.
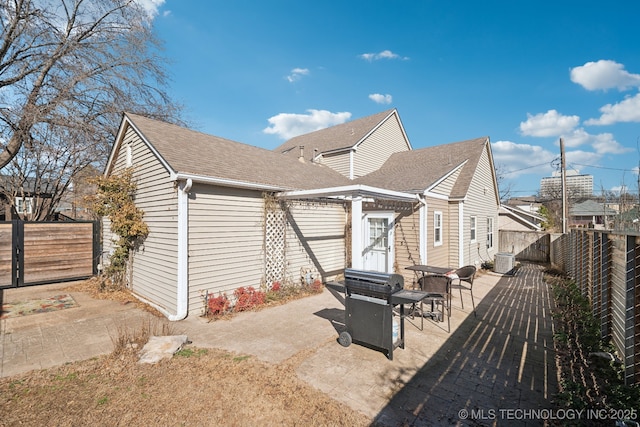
[(223, 214)]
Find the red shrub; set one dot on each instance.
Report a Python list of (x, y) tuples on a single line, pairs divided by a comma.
[(316, 286), (275, 286), (248, 298), (217, 305)]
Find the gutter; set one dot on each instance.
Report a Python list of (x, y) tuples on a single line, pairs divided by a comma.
[(224, 182)]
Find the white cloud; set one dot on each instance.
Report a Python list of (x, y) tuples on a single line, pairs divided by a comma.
[(604, 74), (151, 6), (553, 124), (626, 111), (297, 73), (603, 143), (547, 124), (580, 157), (288, 125), (381, 99), (520, 159), (385, 54), (576, 138)]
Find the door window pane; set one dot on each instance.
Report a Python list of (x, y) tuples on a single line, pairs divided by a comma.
[(378, 233)]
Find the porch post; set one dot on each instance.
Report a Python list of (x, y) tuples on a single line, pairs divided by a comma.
[(356, 232), (422, 230)]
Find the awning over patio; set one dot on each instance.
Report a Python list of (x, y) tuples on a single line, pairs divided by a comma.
[(355, 194)]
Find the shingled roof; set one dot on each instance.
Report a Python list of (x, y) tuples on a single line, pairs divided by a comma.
[(417, 170), (334, 138), (590, 208), (194, 153)]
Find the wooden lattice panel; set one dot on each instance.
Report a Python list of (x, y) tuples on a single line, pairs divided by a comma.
[(275, 244)]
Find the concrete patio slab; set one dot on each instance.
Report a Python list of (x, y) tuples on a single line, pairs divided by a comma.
[(500, 360)]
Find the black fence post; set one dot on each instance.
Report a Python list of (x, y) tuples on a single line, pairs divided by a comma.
[(17, 264), (97, 246), (21, 253)]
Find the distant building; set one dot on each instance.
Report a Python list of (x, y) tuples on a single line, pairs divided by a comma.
[(578, 185), (529, 204), (591, 214)]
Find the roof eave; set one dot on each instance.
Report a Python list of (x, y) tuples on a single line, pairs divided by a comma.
[(225, 182), (126, 122)]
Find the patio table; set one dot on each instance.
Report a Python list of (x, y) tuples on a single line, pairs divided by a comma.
[(431, 269)]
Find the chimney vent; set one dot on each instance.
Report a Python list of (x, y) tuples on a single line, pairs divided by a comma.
[(301, 158)]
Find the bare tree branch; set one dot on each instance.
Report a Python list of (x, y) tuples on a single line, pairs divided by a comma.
[(68, 69)]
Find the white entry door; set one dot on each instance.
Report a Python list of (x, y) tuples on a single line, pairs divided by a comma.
[(378, 242)]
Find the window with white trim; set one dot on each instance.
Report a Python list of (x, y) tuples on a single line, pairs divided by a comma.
[(24, 205), (472, 229), (437, 228), (489, 233)]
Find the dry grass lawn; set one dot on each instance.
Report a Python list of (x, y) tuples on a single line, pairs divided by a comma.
[(196, 387)]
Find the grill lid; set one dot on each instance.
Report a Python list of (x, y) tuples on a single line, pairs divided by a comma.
[(372, 283)]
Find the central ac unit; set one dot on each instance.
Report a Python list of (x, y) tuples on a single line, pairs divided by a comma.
[(505, 262)]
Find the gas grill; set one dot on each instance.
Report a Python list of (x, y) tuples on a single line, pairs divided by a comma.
[(369, 315)]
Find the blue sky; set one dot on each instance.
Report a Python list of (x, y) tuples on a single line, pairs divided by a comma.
[(525, 74)]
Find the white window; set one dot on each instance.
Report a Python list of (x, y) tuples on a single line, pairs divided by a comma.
[(472, 229), (437, 228), (24, 205), (489, 233)]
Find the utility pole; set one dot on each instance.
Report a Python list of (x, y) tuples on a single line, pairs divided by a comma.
[(563, 172)]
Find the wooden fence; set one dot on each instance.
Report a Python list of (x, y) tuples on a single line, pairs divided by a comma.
[(34, 253), (606, 267)]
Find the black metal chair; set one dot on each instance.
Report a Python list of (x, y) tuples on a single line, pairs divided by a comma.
[(465, 274), (438, 288)]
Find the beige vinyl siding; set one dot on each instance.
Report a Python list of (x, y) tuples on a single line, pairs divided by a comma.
[(377, 147), (315, 240), (437, 255), (154, 263), (339, 162), (445, 187), (225, 242), (407, 244), (511, 224), (482, 203)]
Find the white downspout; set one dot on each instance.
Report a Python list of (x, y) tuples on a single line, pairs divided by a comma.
[(183, 251)]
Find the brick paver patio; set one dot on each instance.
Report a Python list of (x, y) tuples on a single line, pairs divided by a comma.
[(499, 370)]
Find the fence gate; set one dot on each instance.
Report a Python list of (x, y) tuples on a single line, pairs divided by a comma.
[(37, 253)]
